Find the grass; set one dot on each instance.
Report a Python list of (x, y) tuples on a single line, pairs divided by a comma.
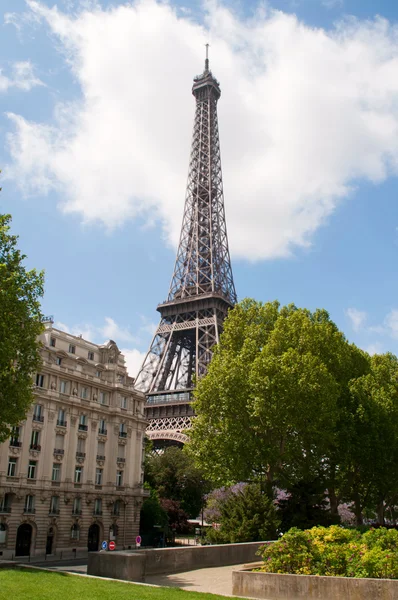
[(43, 585)]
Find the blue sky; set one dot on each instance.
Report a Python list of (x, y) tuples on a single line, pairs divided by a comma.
[(95, 120)]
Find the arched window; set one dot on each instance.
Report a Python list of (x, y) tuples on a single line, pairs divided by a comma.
[(75, 532), (3, 533)]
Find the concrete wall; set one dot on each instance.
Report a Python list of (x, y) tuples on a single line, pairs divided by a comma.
[(274, 586), (134, 566)]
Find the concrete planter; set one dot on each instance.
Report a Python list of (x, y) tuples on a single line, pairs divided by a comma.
[(274, 586), (136, 565)]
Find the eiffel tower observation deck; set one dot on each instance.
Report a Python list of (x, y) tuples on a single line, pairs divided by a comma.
[(202, 287)]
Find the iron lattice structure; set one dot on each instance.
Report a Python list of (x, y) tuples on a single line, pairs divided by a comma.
[(202, 287)]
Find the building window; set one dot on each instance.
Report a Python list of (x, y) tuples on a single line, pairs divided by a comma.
[(54, 505), (119, 478), (84, 393), (12, 467), (29, 504), (3, 533), (32, 469), (63, 386), (122, 430), (98, 374), (72, 349), (102, 427), (123, 402), (78, 474), (38, 413), (121, 452), (61, 422), (98, 506), (40, 380), (56, 472), (35, 440), (101, 451), (103, 398), (80, 449), (83, 423), (98, 476), (116, 508), (77, 506), (5, 503), (113, 531), (14, 439), (91, 355), (75, 532), (52, 342), (58, 360)]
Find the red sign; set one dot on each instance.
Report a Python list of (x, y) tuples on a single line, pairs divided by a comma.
[(112, 545)]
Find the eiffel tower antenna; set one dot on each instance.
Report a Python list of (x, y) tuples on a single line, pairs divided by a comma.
[(202, 289)]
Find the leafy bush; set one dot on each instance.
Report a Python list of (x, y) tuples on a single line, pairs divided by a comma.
[(334, 551), (245, 515)]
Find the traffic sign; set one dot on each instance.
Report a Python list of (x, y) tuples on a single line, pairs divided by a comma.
[(138, 539), (112, 545), (104, 545)]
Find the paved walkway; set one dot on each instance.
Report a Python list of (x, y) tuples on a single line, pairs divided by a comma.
[(216, 580)]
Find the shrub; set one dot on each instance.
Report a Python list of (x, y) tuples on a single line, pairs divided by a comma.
[(334, 551)]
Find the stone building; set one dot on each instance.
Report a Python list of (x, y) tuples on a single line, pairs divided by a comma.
[(71, 473)]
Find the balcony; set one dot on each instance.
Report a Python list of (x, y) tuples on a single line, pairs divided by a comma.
[(102, 431), (29, 511), (80, 455), (100, 457), (77, 511), (123, 434), (38, 418), (15, 443), (53, 511), (82, 427), (120, 459), (5, 510), (61, 423), (59, 451), (97, 513), (35, 447)]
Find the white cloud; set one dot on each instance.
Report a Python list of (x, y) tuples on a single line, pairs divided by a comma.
[(375, 348), (304, 114), (391, 322), (357, 318), (111, 330), (134, 359), (22, 77)]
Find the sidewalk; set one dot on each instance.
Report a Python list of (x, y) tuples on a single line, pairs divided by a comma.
[(216, 580)]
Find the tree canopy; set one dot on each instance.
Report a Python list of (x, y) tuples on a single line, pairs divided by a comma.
[(288, 402), (20, 326), (175, 477)]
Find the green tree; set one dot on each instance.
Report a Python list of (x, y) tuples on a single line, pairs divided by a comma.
[(152, 512), (369, 464), (268, 407), (20, 326), (175, 477), (247, 514)]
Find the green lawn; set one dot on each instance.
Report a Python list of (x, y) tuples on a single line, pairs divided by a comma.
[(42, 585)]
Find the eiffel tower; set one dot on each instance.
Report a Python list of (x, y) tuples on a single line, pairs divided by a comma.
[(202, 288)]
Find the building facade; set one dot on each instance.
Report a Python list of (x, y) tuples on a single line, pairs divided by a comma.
[(71, 475)]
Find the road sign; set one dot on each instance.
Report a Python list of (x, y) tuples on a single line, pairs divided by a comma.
[(104, 545), (112, 545), (138, 539)]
